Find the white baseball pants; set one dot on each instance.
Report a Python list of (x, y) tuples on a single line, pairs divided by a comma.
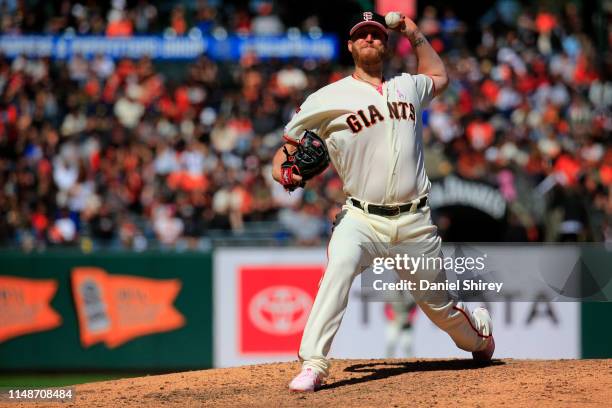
[(347, 256)]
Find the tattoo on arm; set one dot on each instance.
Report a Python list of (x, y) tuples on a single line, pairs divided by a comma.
[(418, 42)]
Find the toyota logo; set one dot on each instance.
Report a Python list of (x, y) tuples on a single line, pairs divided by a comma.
[(280, 310)]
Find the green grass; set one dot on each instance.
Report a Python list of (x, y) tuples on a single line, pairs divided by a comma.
[(56, 380)]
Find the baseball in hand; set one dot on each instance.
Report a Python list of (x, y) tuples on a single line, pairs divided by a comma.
[(393, 19)]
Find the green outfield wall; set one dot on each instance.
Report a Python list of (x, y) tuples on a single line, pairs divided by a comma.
[(61, 348), (596, 333)]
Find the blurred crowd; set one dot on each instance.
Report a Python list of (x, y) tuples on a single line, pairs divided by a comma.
[(528, 110), (104, 153), (127, 18)]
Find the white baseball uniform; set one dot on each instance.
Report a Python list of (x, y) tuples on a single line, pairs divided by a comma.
[(374, 138)]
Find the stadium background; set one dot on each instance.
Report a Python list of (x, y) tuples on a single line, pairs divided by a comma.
[(153, 166)]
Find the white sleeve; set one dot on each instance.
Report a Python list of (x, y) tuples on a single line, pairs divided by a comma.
[(309, 116), (425, 88)]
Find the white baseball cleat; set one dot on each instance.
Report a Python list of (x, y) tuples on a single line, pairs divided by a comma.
[(306, 381), (485, 325)]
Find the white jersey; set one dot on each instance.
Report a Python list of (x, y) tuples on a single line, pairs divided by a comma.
[(374, 136)]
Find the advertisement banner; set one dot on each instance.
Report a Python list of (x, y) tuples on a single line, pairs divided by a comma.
[(115, 309), (274, 305), (260, 304), (25, 306), (169, 48)]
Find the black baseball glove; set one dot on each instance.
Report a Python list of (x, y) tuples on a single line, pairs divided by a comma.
[(309, 160)]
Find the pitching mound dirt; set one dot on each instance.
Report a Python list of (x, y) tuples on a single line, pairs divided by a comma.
[(368, 383)]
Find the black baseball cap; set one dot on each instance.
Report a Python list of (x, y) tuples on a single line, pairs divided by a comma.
[(368, 18)]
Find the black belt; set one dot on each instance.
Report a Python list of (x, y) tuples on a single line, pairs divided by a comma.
[(388, 210)]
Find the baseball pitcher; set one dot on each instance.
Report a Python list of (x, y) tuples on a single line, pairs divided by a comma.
[(370, 128)]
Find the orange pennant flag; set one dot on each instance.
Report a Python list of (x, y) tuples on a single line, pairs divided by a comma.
[(25, 306), (143, 306), (118, 308)]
